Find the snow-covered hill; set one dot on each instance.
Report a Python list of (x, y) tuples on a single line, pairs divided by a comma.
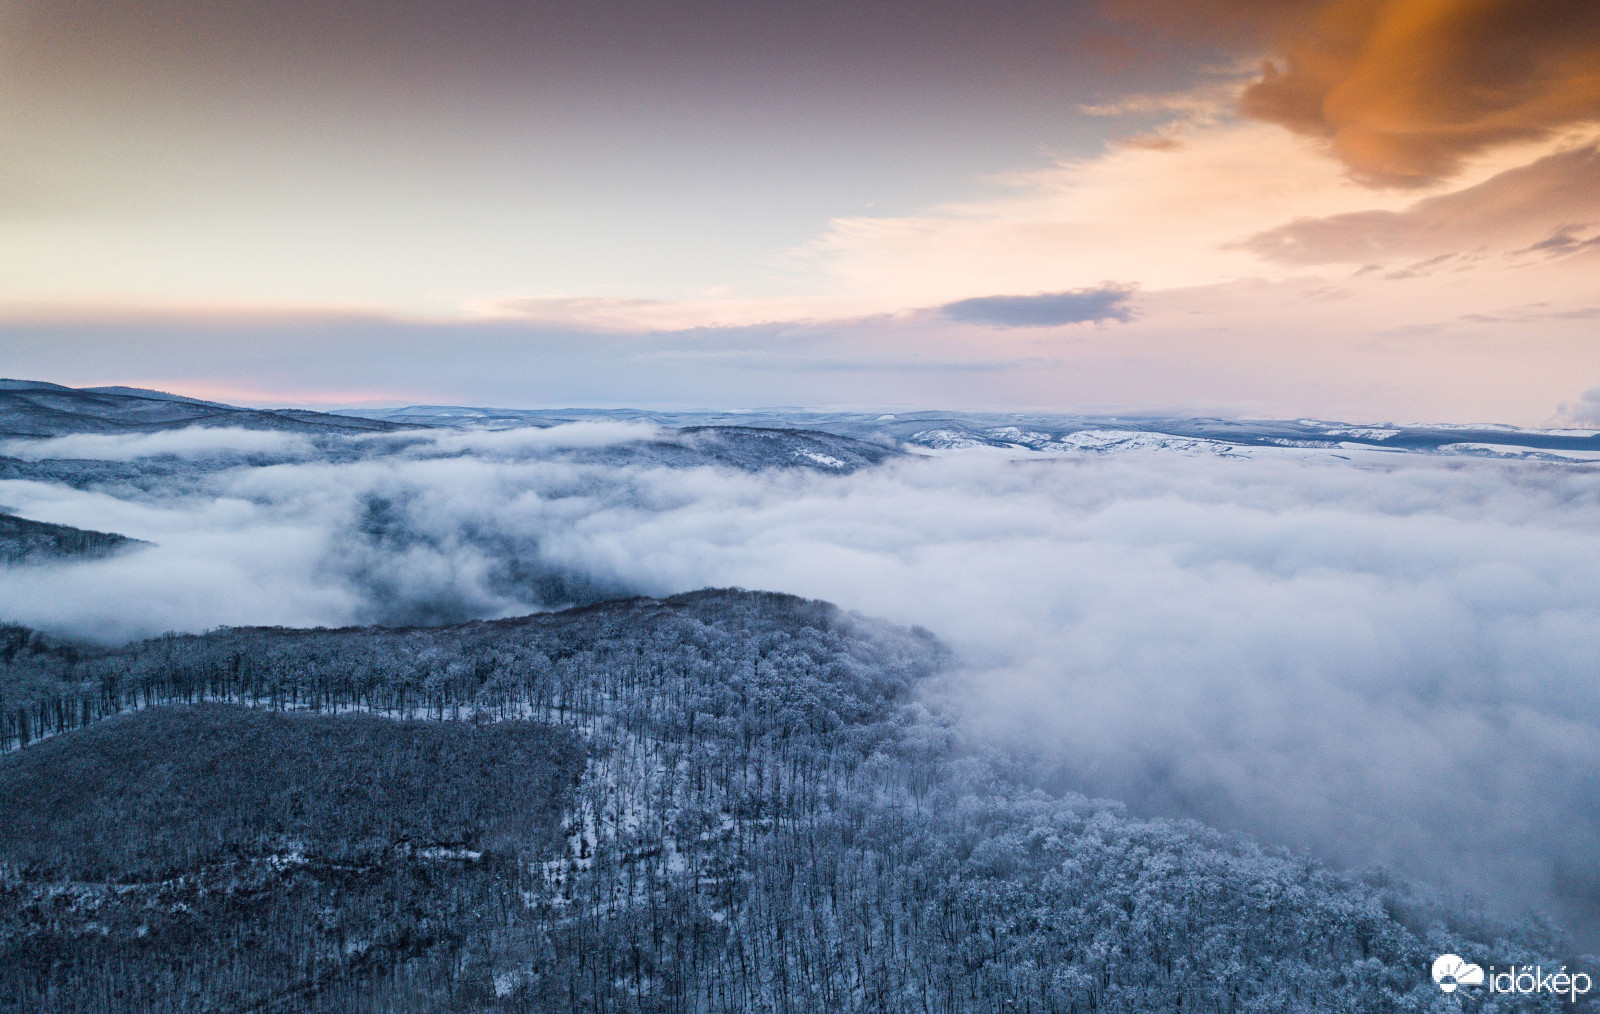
[(1026, 435), (723, 801), (32, 408)]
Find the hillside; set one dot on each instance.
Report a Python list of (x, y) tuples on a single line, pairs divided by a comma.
[(37, 409), (234, 858), (768, 820)]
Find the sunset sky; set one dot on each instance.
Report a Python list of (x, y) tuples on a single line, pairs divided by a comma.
[(1359, 209)]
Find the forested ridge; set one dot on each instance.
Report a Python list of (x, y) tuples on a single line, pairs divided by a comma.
[(730, 801), (26, 541)]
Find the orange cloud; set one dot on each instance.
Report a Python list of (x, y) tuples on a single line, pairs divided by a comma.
[(1404, 90)]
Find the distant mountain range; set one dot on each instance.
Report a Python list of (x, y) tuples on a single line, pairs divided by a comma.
[(828, 441), (1054, 434)]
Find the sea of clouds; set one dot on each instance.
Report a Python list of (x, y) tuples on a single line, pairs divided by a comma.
[(187, 443), (1390, 662)]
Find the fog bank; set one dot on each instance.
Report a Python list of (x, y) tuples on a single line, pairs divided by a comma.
[(1393, 663)]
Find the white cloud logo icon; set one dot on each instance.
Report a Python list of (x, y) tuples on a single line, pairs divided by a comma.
[(1450, 971)]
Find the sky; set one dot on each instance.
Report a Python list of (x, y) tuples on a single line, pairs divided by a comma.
[(1375, 210)]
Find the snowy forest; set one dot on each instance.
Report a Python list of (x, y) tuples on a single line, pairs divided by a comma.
[(716, 802)]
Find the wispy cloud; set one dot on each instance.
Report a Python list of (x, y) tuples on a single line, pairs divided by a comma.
[(1530, 207), (789, 362), (1566, 240), (1204, 103), (598, 313)]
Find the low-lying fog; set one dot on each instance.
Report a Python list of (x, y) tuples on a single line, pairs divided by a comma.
[(1391, 661)]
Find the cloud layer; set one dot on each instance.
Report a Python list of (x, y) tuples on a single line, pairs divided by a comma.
[(191, 442), (1389, 664), (1547, 208)]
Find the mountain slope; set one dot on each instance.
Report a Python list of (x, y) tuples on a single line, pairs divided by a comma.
[(226, 858), (768, 820), (37, 409)]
